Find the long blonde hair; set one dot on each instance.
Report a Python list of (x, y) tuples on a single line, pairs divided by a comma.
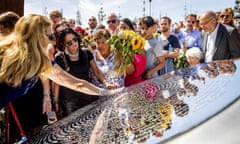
[(23, 53)]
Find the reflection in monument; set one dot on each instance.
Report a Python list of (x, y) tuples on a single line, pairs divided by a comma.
[(152, 111)]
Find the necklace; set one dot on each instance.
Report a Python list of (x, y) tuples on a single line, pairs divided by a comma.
[(72, 55)]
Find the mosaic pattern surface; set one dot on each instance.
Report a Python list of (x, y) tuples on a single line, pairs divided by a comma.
[(152, 111)]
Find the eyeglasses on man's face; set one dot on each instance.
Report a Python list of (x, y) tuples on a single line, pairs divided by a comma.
[(190, 21), (55, 16), (163, 24), (70, 43), (92, 20), (205, 22), (111, 21)]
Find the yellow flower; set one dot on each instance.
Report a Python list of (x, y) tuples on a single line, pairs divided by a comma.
[(165, 110), (123, 35), (131, 32), (126, 43), (136, 43), (89, 38)]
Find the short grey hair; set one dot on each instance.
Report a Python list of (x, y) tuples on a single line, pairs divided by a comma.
[(194, 52)]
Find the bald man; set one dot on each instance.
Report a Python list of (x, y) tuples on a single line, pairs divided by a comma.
[(112, 22), (219, 41)]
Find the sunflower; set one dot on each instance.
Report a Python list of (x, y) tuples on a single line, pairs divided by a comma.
[(136, 43), (165, 110), (126, 43)]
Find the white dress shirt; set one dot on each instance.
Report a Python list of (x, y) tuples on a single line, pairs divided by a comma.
[(211, 49)]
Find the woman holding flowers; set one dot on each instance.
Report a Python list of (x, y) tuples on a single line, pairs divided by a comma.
[(137, 67), (129, 58), (153, 48)]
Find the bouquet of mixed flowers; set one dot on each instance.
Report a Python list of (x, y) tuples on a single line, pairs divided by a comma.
[(126, 44), (85, 37)]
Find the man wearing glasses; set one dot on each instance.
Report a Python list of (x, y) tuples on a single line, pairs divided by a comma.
[(219, 41), (112, 22)]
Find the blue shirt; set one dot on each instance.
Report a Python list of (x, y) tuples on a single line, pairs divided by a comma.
[(192, 39), (9, 93)]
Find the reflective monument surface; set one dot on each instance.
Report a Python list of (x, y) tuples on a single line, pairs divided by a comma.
[(153, 111)]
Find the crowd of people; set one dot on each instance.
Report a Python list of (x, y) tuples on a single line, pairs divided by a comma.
[(52, 64)]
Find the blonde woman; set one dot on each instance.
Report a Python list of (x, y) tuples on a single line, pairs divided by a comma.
[(23, 60), (227, 17)]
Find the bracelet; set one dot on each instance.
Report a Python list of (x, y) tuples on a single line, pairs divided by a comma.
[(102, 92), (46, 94)]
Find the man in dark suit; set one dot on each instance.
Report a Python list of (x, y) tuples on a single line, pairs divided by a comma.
[(219, 41)]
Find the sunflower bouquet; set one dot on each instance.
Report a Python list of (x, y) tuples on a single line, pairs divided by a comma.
[(126, 44), (86, 40)]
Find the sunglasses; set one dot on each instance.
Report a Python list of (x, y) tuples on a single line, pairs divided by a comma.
[(191, 22), (224, 16), (70, 43), (92, 19), (111, 21), (163, 24)]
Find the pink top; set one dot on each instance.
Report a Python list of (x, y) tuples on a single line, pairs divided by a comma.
[(140, 65)]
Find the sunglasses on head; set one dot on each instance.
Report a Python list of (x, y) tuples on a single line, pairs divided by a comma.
[(70, 43), (111, 21), (191, 22), (226, 16)]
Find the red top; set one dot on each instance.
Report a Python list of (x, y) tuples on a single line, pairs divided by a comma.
[(140, 65)]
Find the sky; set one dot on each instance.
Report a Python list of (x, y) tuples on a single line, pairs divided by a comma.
[(175, 9)]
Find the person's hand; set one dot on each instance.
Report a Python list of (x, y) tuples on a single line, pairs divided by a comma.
[(56, 105), (110, 85), (146, 76), (47, 105), (108, 92)]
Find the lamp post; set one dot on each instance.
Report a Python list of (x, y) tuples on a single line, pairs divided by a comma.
[(144, 8), (101, 14), (150, 7)]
